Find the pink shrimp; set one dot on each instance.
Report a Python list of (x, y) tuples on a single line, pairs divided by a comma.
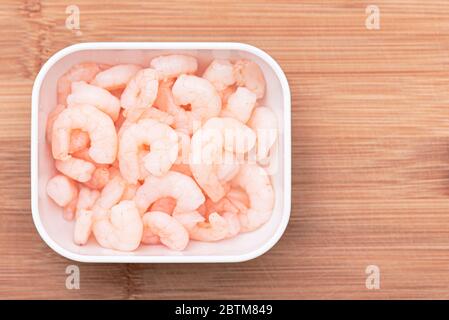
[(83, 93), (61, 190), (256, 183), (98, 125), (140, 93), (170, 231), (248, 74), (116, 77), (80, 72), (171, 66)]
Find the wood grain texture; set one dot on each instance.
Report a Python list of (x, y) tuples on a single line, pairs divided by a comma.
[(370, 142)]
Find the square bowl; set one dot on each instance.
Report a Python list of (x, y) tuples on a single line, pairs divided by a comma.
[(47, 216)]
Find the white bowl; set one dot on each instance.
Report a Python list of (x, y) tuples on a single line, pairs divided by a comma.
[(57, 232)]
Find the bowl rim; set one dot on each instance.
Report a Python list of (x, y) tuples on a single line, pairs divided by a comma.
[(160, 46)]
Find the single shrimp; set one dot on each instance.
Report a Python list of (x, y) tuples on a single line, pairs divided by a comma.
[(263, 121), (254, 180), (116, 77), (199, 94), (161, 139), (182, 188), (140, 93), (80, 72), (169, 230), (83, 218), (111, 194), (207, 146), (183, 120), (121, 229), (77, 169), (101, 130), (215, 229), (79, 140), (240, 105), (220, 73), (248, 74), (171, 66), (61, 190), (83, 93)]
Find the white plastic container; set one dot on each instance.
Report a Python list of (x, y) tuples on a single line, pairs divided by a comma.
[(57, 232)]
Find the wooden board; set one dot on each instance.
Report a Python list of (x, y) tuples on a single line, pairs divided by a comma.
[(370, 147)]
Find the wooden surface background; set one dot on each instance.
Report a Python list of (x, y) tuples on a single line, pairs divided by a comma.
[(370, 147)]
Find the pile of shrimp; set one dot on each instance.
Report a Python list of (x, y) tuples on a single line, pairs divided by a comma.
[(161, 155)]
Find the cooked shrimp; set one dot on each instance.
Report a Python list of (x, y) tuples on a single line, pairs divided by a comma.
[(214, 230), (77, 169), (263, 122), (83, 220), (171, 66), (79, 140), (220, 73), (99, 179), (183, 120), (116, 77), (163, 143), (182, 188), (83, 93), (140, 93), (169, 230), (207, 146), (98, 125), (80, 72), (200, 94), (248, 74), (240, 105), (111, 194), (61, 190), (121, 229), (256, 183)]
